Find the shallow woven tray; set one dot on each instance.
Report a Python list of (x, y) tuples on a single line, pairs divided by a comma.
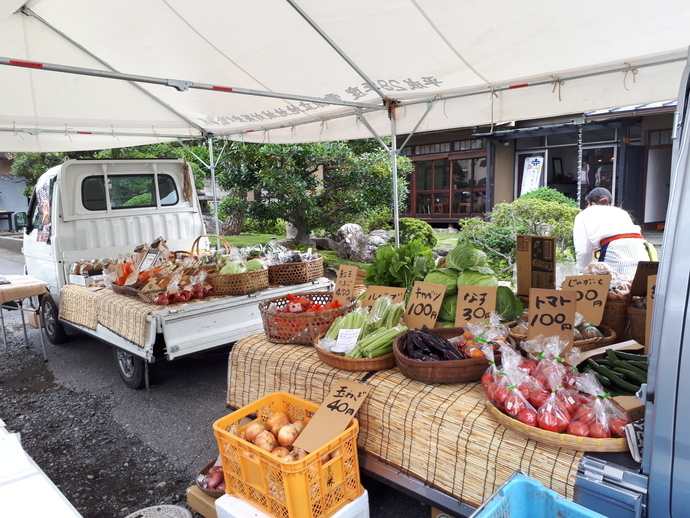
[(134, 291), (295, 273), (559, 440), (239, 283), (386, 361), (214, 493), (448, 371), (300, 328), (584, 345)]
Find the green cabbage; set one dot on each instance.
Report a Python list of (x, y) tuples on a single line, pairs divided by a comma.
[(254, 264), (232, 268), (464, 255), (508, 306), (446, 276), (477, 276), (449, 307)]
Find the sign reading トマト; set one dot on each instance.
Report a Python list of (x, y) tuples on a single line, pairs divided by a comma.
[(551, 313), (474, 304), (592, 291), (424, 304)]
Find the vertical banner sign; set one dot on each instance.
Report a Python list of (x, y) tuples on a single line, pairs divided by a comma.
[(424, 304), (344, 291), (552, 313), (333, 415), (592, 291), (474, 304), (374, 292), (531, 174), (536, 263), (651, 292)]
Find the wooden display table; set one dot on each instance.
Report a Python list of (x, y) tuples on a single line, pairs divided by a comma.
[(12, 296), (440, 434)]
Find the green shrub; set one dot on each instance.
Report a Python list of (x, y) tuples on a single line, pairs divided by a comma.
[(548, 194), (256, 226), (375, 219), (411, 229)]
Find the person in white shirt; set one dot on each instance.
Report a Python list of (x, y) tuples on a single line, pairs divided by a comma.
[(609, 232)]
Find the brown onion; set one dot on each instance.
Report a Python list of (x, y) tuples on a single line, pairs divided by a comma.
[(287, 435), (253, 429), (280, 451), (276, 421), (265, 440), (299, 425), (299, 453)]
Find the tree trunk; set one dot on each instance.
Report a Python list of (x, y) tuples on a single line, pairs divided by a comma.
[(232, 226), (303, 236)]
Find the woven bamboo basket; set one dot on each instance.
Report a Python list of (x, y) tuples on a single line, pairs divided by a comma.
[(135, 290), (239, 283), (386, 361), (584, 345), (637, 324), (299, 328), (448, 371), (196, 251), (615, 316), (295, 273), (559, 440), (213, 493)]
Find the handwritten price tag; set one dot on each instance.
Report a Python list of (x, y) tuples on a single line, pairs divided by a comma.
[(551, 313), (592, 291), (424, 304), (344, 291), (474, 304), (374, 292)]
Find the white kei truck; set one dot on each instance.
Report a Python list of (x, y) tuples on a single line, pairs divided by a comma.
[(95, 209)]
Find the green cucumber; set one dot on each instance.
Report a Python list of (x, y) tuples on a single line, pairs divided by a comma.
[(615, 378), (639, 364), (622, 355), (605, 362), (611, 354), (634, 376), (606, 382), (630, 367)]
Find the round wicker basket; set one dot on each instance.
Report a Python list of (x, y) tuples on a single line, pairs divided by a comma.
[(449, 371), (386, 361), (215, 493), (559, 440), (637, 324), (609, 337)]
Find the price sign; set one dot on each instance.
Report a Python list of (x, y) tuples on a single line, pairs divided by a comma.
[(345, 284), (424, 304), (592, 291), (474, 304), (638, 288), (651, 292), (334, 414), (374, 292), (551, 313)]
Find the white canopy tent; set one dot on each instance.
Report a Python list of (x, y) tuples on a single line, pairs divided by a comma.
[(97, 74)]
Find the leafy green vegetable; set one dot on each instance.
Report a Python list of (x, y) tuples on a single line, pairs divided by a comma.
[(446, 276), (401, 266), (449, 307), (254, 264), (232, 268), (464, 255), (508, 306), (477, 276)]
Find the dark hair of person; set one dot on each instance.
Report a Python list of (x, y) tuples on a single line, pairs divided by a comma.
[(599, 196)]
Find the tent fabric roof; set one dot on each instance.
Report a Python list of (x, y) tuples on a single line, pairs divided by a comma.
[(282, 71)]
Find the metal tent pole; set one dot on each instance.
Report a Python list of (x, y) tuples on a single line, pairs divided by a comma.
[(212, 166), (394, 157)]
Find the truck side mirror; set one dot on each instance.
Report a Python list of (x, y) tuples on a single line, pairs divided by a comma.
[(20, 220)]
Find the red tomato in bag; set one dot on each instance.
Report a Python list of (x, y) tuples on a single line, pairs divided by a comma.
[(578, 428), (617, 426), (486, 379), (599, 431), (537, 397), (553, 416), (514, 404), (584, 414), (528, 417)]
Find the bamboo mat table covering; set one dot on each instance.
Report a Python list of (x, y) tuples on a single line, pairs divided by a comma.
[(441, 434), (123, 315)]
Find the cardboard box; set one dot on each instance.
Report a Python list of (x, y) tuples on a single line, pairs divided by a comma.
[(85, 279), (536, 263), (34, 316), (631, 405), (202, 503)]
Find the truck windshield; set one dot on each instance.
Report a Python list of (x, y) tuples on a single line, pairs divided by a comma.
[(128, 191)]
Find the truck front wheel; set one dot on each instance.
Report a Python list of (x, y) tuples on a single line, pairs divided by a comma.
[(132, 369), (54, 329)]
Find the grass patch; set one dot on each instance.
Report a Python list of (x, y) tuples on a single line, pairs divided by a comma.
[(246, 240), (333, 261)]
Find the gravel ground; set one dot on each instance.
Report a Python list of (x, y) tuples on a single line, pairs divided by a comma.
[(101, 469)]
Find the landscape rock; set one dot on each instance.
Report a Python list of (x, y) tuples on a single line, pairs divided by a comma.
[(353, 243)]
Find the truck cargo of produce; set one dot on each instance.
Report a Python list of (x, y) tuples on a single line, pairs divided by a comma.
[(89, 211)]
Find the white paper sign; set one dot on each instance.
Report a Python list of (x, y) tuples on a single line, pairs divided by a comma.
[(347, 339), (531, 174)]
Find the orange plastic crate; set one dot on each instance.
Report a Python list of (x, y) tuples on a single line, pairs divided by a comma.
[(314, 487)]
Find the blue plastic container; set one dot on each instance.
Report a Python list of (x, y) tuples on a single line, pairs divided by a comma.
[(523, 497)]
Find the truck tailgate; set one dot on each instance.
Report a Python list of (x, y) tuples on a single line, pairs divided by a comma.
[(197, 327)]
